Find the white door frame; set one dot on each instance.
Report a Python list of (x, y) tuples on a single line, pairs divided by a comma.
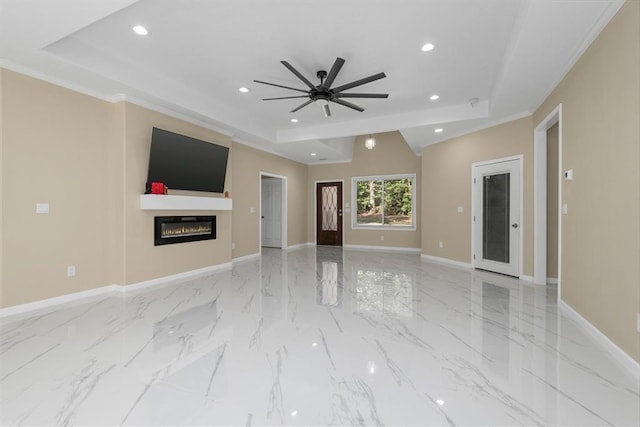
[(315, 208), (519, 158), (540, 197), (283, 225)]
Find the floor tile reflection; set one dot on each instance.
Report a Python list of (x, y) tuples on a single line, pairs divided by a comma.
[(314, 336)]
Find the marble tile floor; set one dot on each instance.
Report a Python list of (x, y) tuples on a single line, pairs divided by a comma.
[(314, 336)]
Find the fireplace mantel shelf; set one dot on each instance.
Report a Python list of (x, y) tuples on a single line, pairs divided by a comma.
[(183, 203)]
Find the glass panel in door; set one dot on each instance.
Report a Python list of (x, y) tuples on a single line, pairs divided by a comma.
[(329, 208), (496, 217)]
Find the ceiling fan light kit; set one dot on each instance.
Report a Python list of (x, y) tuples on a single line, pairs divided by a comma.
[(324, 92)]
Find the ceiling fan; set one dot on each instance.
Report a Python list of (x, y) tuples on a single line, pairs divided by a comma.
[(324, 92)]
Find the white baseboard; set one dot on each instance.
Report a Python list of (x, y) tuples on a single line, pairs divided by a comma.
[(446, 261), (552, 280), (382, 248), (299, 246), (62, 299), (80, 297), (620, 355), (246, 258), (191, 274), (526, 278)]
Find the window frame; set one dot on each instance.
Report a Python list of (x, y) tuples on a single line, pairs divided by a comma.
[(383, 178)]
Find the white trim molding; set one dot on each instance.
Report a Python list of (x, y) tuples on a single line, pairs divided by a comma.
[(446, 261), (300, 246), (628, 362), (245, 258), (382, 248), (109, 290), (71, 299), (168, 280)]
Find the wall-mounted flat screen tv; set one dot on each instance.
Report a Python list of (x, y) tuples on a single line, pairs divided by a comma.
[(185, 163)]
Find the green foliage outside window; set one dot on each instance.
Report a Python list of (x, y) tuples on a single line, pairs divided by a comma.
[(384, 202)]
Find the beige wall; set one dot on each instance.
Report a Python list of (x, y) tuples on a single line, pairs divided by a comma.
[(391, 155), (552, 202), (246, 167), (54, 150), (143, 260), (88, 159), (600, 97), (446, 184)]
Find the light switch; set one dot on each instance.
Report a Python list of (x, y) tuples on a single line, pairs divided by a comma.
[(568, 175), (252, 210), (42, 208), (460, 209), (565, 209)]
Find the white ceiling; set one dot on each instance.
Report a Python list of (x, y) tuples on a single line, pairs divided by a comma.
[(509, 54)]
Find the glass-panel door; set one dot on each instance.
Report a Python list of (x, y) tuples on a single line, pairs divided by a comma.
[(329, 213), (496, 216)]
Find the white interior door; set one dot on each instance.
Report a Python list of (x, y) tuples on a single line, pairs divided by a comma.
[(271, 211), (497, 217)]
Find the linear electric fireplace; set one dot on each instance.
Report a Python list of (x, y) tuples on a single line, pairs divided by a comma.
[(181, 229)]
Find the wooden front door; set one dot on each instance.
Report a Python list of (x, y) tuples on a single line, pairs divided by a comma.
[(329, 213)]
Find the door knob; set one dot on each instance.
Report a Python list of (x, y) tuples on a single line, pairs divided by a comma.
[(514, 225)]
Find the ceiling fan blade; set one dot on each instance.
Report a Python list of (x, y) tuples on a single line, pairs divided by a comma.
[(335, 69), (361, 95), (301, 106), (297, 73), (347, 104), (326, 110), (359, 82), (285, 97), (284, 87)]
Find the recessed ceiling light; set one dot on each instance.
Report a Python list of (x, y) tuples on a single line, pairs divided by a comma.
[(314, 154), (294, 120), (438, 130), (140, 30), (434, 97), (243, 89), (428, 47)]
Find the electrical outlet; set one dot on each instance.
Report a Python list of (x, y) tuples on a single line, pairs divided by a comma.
[(381, 237), (441, 245), (71, 270), (42, 208), (233, 245)]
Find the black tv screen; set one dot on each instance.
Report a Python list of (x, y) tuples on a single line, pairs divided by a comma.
[(184, 163)]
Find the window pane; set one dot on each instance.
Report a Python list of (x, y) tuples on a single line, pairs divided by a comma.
[(397, 202), (369, 200)]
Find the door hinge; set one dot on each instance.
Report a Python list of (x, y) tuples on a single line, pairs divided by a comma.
[(474, 180), (474, 256), (474, 218)]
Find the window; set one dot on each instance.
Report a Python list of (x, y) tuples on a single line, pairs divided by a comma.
[(384, 201)]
